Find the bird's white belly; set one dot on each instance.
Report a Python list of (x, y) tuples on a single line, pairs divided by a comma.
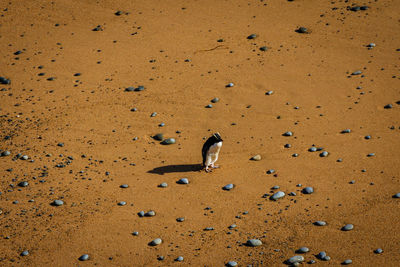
[(213, 152)]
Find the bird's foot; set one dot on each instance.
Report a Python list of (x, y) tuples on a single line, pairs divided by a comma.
[(215, 166)]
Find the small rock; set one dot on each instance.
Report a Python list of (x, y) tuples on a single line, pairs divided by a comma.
[(229, 85), (254, 242), (263, 48), (397, 195), (378, 251), (5, 153), (252, 36), (303, 250), (84, 257), (388, 106), (256, 158), (347, 262), (183, 181), (215, 100), (312, 149), (308, 190), (357, 72), (277, 195), (295, 259), (346, 131), (287, 134), (150, 213), (269, 92), (270, 171), (180, 219), (348, 227), (155, 242), (4, 80), (209, 106), (124, 186), (23, 184), (321, 255), (158, 137), (163, 185), (231, 263), (320, 223), (25, 253), (58, 202), (324, 154), (180, 258), (302, 30), (122, 203), (168, 141), (228, 187), (135, 233)]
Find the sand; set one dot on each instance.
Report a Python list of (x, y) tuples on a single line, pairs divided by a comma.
[(185, 53)]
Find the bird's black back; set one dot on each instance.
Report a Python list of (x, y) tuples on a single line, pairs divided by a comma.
[(215, 138)]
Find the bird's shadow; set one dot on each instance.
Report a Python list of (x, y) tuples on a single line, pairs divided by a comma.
[(177, 168)]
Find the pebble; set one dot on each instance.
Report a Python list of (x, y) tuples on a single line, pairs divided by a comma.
[(153, 114), (388, 106), (215, 100), (158, 137), (84, 257), (163, 185), (25, 253), (303, 250), (367, 137), (321, 255), (23, 184), (180, 258), (4, 80), (229, 85), (295, 155), (228, 187), (346, 131), (371, 45), (209, 106), (308, 190), (24, 157), (263, 48), (256, 158), (347, 262), (252, 36), (122, 203), (378, 251), (155, 242), (124, 186), (312, 149), (397, 195), (254, 242), (135, 233), (324, 154), (150, 213), (209, 229), (371, 155), (270, 171), (5, 153), (277, 195), (302, 30), (348, 227), (183, 181), (141, 213), (320, 223), (287, 134), (288, 146), (357, 72), (231, 263), (168, 141), (180, 219), (58, 202), (232, 226), (295, 259), (269, 92)]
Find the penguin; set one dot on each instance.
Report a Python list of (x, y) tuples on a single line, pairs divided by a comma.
[(210, 151)]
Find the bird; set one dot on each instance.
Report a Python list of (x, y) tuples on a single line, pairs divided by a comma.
[(210, 151)]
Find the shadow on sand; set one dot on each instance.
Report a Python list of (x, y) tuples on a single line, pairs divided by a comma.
[(177, 168)]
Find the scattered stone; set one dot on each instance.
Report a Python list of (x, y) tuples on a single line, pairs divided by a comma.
[(124, 186), (256, 158), (303, 250), (348, 227), (122, 203), (231, 264), (229, 85), (84, 257), (312, 149), (180, 258), (98, 28), (209, 106), (320, 223), (215, 100), (232, 226), (25, 253), (155, 242), (5, 153), (23, 184), (141, 213), (168, 141), (308, 190), (295, 259), (269, 92), (388, 106), (324, 154), (150, 213), (347, 262), (367, 137), (118, 13), (371, 45), (252, 36), (228, 187), (287, 134), (397, 195), (209, 229), (277, 195), (163, 185), (263, 48), (321, 255), (58, 202), (378, 251), (357, 72), (288, 146), (346, 131), (254, 242), (270, 171), (135, 233), (180, 219), (302, 30), (183, 181), (371, 155), (4, 81), (158, 137), (153, 114)]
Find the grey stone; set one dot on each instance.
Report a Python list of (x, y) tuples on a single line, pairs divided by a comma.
[(277, 195), (153, 114), (180, 219), (357, 72), (269, 92), (289, 133), (348, 227), (231, 263), (312, 149), (209, 106), (23, 184), (215, 100), (320, 223), (263, 48), (25, 253), (163, 185), (124, 186), (84, 257), (209, 229), (324, 154), (270, 171), (295, 259), (302, 30), (141, 213), (347, 262), (367, 137), (228, 187), (5, 153), (321, 255), (135, 233), (397, 195), (183, 181), (388, 106), (253, 242), (308, 190), (180, 258), (150, 213), (346, 131), (168, 141), (378, 251), (252, 36), (58, 202), (158, 137), (232, 226), (122, 203), (256, 158), (155, 242), (303, 250), (229, 85)]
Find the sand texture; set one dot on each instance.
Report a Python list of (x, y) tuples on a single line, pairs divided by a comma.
[(88, 84)]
